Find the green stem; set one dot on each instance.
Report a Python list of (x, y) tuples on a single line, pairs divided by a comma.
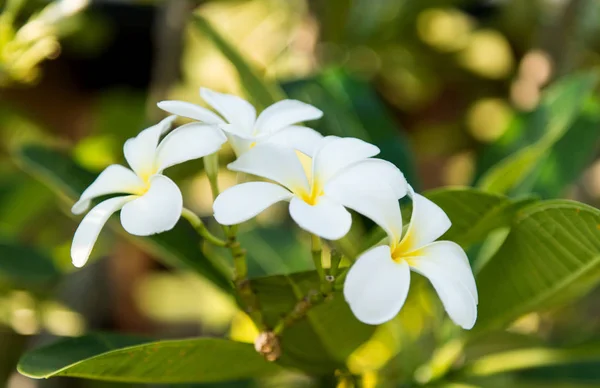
[(246, 296), (317, 256), (211, 166), (197, 223), (312, 299), (338, 284), (336, 259), (242, 284)]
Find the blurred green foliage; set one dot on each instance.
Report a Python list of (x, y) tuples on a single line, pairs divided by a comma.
[(453, 92)]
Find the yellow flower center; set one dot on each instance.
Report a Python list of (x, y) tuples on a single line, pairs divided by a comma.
[(315, 191), (145, 177), (312, 198), (404, 250)]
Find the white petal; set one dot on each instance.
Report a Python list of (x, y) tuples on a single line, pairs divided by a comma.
[(335, 154), (445, 264), (285, 113), (327, 219), (234, 109), (239, 145), (374, 176), (376, 286), (244, 201), (87, 233), (191, 111), (276, 163), (156, 211), (236, 130), (300, 138), (115, 179), (190, 141), (382, 209), (427, 223), (140, 151)]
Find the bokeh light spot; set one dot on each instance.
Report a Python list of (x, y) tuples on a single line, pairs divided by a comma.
[(488, 119), (446, 30), (488, 54)]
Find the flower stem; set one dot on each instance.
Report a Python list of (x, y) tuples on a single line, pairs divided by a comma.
[(211, 166), (240, 279), (246, 296), (317, 256), (313, 298), (197, 223)]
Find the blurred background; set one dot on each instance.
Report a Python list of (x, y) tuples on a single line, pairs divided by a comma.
[(446, 88)]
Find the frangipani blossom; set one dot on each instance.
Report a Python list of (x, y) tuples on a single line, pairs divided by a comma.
[(238, 119), (153, 203), (343, 175), (377, 284)]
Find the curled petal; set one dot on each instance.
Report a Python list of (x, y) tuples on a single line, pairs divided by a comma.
[(445, 265), (370, 177), (154, 212), (272, 162), (300, 138), (382, 209), (427, 223), (234, 109), (236, 130), (335, 154), (140, 151), (240, 146), (191, 111), (284, 113), (115, 179), (190, 141), (87, 233), (244, 201), (327, 219), (376, 286), (449, 259)]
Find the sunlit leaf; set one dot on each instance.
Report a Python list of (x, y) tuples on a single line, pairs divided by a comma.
[(551, 254), (179, 245), (260, 92), (528, 358), (321, 342), (474, 213), (115, 357)]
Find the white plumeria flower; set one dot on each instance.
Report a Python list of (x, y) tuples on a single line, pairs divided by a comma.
[(154, 202), (377, 284), (343, 175), (238, 119)]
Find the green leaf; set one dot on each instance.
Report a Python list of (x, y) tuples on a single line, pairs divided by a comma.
[(115, 357), (571, 155), (474, 213), (559, 108), (321, 342), (551, 254), (25, 267), (275, 251), (352, 108), (528, 358), (262, 93), (179, 245)]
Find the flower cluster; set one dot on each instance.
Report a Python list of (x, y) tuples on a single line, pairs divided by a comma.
[(342, 174)]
